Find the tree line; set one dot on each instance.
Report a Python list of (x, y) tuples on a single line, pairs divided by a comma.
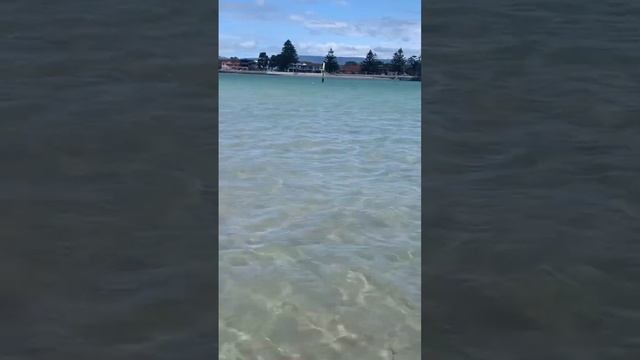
[(370, 65), (399, 64)]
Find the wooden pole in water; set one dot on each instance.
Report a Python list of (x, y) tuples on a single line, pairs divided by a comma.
[(323, 71)]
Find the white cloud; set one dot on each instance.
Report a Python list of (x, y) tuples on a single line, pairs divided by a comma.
[(313, 2), (318, 25), (249, 44), (257, 9), (230, 45), (401, 32), (351, 50), (294, 17), (340, 49), (329, 25)]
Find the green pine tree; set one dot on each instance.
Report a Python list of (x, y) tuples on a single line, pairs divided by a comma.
[(288, 56), (414, 67), (273, 61), (398, 62), (370, 64), (263, 61), (331, 62)]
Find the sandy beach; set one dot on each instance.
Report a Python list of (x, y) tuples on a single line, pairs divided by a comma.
[(327, 76)]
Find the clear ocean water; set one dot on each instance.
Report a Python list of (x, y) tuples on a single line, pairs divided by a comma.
[(319, 218)]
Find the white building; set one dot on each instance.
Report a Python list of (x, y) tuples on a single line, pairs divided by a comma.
[(304, 67)]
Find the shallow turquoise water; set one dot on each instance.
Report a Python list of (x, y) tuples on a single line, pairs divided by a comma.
[(319, 218)]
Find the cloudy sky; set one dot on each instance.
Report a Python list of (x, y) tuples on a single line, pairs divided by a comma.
[(350, 27)]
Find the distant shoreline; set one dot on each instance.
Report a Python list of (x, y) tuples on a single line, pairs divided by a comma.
[(317, 75)]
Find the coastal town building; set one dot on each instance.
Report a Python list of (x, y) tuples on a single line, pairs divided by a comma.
[(230, 64), (350, 69), (238, 64), (249, 64), (305, 67)]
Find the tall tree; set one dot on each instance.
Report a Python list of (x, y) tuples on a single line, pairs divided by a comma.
[(273, 61), (370, 64), (331, 62), (411, 65), (263, 61), (288, 56), (398, 62), (414, 66)]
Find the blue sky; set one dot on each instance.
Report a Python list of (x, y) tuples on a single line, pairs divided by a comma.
[(350, 27)]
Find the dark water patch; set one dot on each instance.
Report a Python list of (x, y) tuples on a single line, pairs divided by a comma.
[(108, 189), (530, 180)]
